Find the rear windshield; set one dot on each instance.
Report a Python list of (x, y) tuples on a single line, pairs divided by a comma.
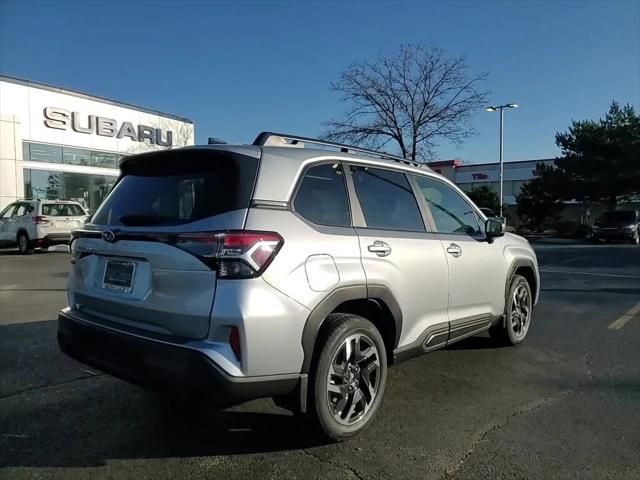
[(172, 188), (62, 210), (621, 216)]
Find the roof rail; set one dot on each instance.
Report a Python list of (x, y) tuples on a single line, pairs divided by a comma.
[(283, 139)]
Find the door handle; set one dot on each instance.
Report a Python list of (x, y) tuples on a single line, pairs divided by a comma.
[(379, 248), (454, 250)]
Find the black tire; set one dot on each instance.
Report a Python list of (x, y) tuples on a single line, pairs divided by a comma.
[(323, 403), (507, 332), (25, 246)]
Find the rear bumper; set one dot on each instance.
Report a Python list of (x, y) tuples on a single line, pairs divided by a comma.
[(54, 239), (160, 365)]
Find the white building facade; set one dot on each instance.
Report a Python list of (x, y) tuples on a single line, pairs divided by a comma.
[(467, 177), (62, 144)]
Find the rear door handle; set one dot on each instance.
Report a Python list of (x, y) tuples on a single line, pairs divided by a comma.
[(454, 250), (379, 248)]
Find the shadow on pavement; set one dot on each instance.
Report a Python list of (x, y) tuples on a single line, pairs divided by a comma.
[(74, 435), (55, 412)]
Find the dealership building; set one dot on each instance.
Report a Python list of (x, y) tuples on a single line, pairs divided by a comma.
[(468, 176), (62, 144)]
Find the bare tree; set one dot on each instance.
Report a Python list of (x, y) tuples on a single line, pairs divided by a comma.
[(413, 98)]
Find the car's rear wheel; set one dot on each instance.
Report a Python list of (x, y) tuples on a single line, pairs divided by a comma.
[(518, 313), (24, 244), (349, 376)]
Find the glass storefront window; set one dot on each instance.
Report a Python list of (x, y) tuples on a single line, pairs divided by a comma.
[(87, 190), (76, 156), (39, 152), (104, 160)]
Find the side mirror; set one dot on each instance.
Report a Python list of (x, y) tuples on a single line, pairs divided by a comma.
[(493, 228)]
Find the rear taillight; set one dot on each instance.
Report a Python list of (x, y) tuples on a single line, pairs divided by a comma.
[(40, 220), (233, 254)]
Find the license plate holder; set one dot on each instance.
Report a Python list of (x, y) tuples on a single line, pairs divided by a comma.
[(118, 275)]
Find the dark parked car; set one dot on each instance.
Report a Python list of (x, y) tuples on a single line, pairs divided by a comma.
[(618, 225)]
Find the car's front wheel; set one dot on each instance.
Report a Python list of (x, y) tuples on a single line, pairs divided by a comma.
[(349, 376), (517, 315)]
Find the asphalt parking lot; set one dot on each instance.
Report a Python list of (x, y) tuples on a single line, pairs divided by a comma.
[(566, 404)]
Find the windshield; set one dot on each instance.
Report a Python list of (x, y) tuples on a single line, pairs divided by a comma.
[(178, 187), (618, 217)]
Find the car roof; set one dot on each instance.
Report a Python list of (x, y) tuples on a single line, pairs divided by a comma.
[(294, 153), (282, 165), (44, 200)]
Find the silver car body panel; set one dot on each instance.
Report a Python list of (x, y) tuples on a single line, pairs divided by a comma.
[(415, 271), (172, 291), (297, 271), (270, 323), (476, 277), (177, 295)]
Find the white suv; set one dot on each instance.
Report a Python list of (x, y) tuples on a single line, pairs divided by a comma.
[(34, 223)]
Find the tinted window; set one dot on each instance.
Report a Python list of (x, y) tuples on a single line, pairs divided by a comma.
[(87, 190), (386, 199), (21, 210), (322, 197), (39, 152), (62, 210), (24, 209), (175, 187), (75, 156), (451, 213), (104, 160), (8, 211)]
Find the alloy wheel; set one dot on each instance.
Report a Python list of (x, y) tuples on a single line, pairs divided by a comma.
[(520, 312), (353, 379), (22, 243)]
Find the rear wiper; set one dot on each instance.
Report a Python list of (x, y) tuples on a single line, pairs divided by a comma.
[(141, 219)]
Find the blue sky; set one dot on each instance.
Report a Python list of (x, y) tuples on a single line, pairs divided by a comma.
[(242, 67)]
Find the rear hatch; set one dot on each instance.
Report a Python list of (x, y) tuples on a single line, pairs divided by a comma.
[(60, 218), (143, 259)]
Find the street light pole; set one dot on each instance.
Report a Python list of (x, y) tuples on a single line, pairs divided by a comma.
[(501, 157), (493, 108)]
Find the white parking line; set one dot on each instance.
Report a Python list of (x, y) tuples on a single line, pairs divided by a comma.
[(570, 272), (619, 323)]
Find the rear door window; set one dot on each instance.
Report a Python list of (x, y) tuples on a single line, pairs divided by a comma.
[(21, 211), (177, 187), (322, 196), (386, 199)]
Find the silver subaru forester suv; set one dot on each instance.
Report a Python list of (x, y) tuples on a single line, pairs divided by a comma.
[(280, 270)]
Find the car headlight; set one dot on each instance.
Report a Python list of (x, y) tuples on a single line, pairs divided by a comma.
[(629, 227)]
